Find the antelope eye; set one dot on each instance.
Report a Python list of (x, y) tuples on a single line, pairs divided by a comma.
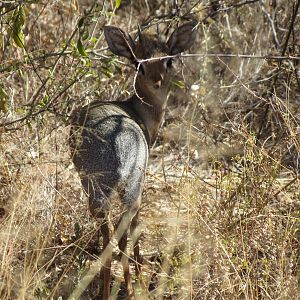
[(168, 63), (140, 68)]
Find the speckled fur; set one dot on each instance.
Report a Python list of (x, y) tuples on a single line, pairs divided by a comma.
[(110, 151)]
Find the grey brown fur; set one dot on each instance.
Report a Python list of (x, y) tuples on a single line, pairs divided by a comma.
[(111, 132), (110, 140)]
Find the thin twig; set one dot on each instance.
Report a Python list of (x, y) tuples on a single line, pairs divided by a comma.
[(286, 186), (272, 26), (245, 56), (221, 55)]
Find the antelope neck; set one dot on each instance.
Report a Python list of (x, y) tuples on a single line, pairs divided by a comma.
[(149, 105)]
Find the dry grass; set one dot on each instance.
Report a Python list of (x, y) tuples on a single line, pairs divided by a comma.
[(221, 214)]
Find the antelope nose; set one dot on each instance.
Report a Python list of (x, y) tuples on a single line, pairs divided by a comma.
[(157, 84)]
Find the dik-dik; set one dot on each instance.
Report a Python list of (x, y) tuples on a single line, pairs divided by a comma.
[(110, 141)]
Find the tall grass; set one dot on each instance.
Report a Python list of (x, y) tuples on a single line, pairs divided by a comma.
[(220, 213)]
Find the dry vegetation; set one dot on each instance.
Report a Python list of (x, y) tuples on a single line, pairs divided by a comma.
[(220, 217)]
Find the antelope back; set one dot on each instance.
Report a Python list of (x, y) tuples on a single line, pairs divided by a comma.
[(110, 152)]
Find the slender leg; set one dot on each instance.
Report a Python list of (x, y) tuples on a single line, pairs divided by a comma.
[(136, 246), (107, 231), (124, 258)]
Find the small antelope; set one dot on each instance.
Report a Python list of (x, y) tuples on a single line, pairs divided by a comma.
[(110, 141)]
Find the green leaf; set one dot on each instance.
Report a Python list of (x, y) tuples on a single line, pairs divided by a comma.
[(81, 48), (178, 83), (3, 94), (18, 37), (107, 72), (3, 98), (17, 30), (43, 102), (21, 16), (93, 40), (118, 3)]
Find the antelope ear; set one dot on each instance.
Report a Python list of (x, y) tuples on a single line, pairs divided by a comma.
[(119, 42), (182, 38)]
